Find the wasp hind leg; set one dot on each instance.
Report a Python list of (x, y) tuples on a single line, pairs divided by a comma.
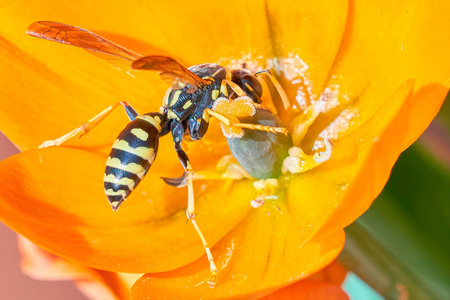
[(86, 127), (187, 180), (190, 212)]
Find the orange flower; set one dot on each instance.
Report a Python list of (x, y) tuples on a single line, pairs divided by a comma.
[(382, 70)]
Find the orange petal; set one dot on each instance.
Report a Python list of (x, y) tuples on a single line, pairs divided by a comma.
[(305, 38), (382, 50), (361, 161), (388, 133), (148, 234), (327, 189), (95, 284), (37, 95), (334, 273), (261, 254), (325, 284), (309, 290)]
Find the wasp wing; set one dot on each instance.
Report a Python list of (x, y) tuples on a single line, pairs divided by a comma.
[(71, 35), (170, 71)]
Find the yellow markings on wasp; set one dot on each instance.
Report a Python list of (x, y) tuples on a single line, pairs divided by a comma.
[(228, 74), (217, 72), (209, 78), (187, 104), (166, 97), (249, 87), (110, 192), (140, 134), (172, 115), (152, 121), (152, 156), (175, 97), (224, 88), (188, 166), (122, 181), (115, 204), (143, 152), (135, 168), (215, 94)]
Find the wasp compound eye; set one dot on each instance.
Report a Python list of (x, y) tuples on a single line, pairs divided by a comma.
[(250, 80)]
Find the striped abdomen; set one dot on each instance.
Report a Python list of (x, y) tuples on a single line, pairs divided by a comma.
[(131, 156)]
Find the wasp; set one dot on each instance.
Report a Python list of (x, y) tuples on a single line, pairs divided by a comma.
[(195, 94)]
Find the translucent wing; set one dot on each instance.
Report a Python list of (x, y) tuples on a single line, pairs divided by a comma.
[(71, 35), (170, 71)]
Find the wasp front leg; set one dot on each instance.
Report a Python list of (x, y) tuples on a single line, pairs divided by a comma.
[(233, 123), (177, 130), (197, 129), (86, 127), (228, 122)]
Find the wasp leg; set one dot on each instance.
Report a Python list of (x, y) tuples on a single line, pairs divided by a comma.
[(278, 87), (86, 127), (176, 182), (198, 129), (228, 122), (177, 132), (238, 91), (224, 88)]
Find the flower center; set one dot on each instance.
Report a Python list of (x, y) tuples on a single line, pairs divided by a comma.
[(314, 121)]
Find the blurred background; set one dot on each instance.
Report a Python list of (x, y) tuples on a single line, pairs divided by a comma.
[(399, 249)]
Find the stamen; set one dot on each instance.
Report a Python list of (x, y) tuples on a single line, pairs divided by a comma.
[(320, 157), (298, 161), (302, 122), (264, 188)]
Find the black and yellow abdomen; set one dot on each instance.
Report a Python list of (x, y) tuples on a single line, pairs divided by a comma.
[(131, 156)]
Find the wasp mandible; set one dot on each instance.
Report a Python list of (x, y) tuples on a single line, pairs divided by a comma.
[(194, 96)]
